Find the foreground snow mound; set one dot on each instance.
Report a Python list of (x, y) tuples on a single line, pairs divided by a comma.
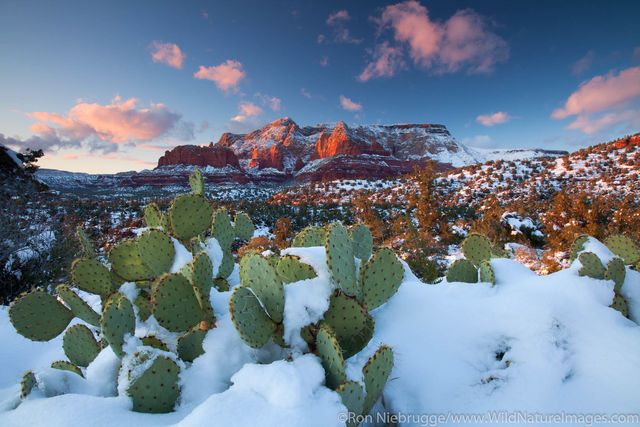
[(530, 343)]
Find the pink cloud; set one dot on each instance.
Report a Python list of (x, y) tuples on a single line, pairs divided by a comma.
[(349, 105), (494, 119), (305, 93), (273, 102), (463, 41), (167, 53), (247, 109), (583, 64), (589, 124), (341, 33), (387, 60), (226, 75), (341, 15)]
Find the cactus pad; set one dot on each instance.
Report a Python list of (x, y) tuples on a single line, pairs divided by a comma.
[(85, 243), (577, 246), (189, 216), (226, 266), (350, 323), (196, 182), (156, 390), (591, 266), (39, 316), (222, 230), (200, 272), (91, 276), (362, 241), (331, 356), (290, 269), (620, 304), (190, 345), (376, 371), (624, 247), (476, 248), (126, 262), (154, 342), (339, 252), (352, 396), (249, 318), (175, 305), (381, 278), (143, 302), (156, 251), (315, 236), (486, 273), (263, 280), (221, 284), (243, 227), (152, 216), (616, 272), (27, 384), (462, 270), (78, 306), (63, 365), (80, 346), (117, 320)]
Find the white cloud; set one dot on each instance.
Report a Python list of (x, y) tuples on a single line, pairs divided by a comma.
[(247, 109), (226, 75), (349, 105), (494, 119)]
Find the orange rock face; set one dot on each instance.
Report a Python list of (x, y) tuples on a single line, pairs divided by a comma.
[(211, 155)]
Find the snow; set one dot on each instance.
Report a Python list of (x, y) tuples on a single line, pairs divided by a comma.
[(540, 344), (12, 154)]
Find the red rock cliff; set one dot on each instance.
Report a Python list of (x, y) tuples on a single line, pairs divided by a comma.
[(211, 155)]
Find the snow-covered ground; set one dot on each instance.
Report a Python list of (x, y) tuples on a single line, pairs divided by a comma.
[(528, 346)]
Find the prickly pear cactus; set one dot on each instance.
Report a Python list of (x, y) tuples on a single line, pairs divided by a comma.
[(117, 320), (577, 246), (152, 216), (342, 267), (196, 182), (362, 241), (263, 280), (126, 262), (91, 276), (78, 306), (80, 346), (39, 316), (376, 372), (620, 304), (591, 265), (624, 247), (331, 357), (249, 318), (616, 271), (462, 270), (351, 324), (154, 342), (156, 390), (27, 384), (381, 278), (243, 227), (199, 272), (175, 305), (476, 248), (221, 284), (227, 264), (310, 237), (290, 269), (156, 251), (190, 345), (222, 230), (189, 216), (85, 243), (486, 273), (352, 396)]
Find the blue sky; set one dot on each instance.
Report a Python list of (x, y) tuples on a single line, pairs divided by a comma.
[(79, 79)]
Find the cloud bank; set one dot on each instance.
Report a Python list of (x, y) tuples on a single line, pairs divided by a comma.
[(167, 53), (226, 76)]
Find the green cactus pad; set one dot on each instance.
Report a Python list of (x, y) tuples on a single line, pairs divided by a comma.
[(80, 346), (143, 302), (486, 273), (352, 396), (297, 239), (476, 248), (273, 260), (126, 262), (27, 384), (155, 342), (381, 278), (620, 304), (190, 345), (462, 270), (616, 271), (85, 243), (196, 182), (208, 316), (577, 246), (278, 336), (78, 306), (249, 318), (152, 216), (498, 252), (117, 320), (156, 390), (331, 356), (243, 227), (221, 284), (227, 264), (376, 371), (362, 241), (200, 272), (263, 280), (63, 365), (350, 323), (339, 252), (39, 316), (164, 222), (189, 216), (175, 305), (91, 276), (591, 265), (314, 236), (222, 230), (624, 247), (156, 250), (290, 269)]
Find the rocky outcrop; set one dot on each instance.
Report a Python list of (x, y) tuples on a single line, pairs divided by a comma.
[(211, 155)]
